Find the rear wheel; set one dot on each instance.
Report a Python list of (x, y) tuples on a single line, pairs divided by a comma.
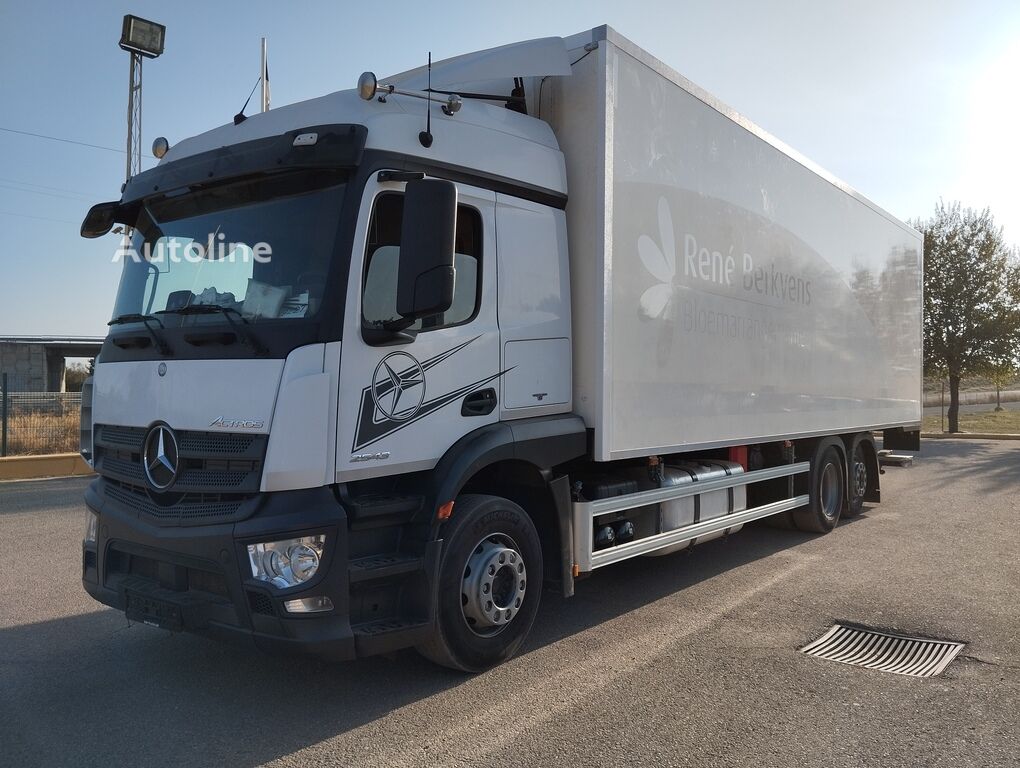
[(490, 582), (859, 480), (827, 493)]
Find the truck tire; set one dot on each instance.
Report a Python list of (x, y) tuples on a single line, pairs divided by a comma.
[(827, 492), (859, 480), (490, 584)]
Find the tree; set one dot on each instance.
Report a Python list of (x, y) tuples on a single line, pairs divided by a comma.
[(971, 297), (1001, 373), (75, 376)]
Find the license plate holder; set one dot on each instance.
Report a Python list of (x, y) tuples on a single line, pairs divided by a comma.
[(154, 612)]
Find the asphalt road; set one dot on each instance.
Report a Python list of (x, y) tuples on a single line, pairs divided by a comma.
[(682, 660)]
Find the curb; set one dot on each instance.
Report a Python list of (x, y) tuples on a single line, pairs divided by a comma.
[(967, 436), (53, 465)]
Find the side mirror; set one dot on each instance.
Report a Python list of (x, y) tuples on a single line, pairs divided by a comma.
[(99, 220), (425, 273)]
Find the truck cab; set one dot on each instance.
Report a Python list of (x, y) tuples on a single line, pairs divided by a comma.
[(259, 383)]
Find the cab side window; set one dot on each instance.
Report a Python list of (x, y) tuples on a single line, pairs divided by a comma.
[(379, 293)]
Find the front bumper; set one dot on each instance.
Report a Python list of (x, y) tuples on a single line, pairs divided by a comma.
[(200, 579)]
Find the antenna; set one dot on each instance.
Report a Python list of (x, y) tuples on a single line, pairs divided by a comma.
[(240, 117), (425, 137)]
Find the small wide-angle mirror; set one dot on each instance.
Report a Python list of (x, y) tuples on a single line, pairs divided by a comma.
[(425, 274), (367, 85), (160, 146), (99, 220)]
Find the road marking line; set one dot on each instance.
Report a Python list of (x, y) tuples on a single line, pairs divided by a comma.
[(526, 704)]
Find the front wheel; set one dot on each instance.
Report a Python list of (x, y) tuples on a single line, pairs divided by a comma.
[(490, 583)]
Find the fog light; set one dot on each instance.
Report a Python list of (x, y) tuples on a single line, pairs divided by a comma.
[(91, 527), (286, 563), (309, 605)]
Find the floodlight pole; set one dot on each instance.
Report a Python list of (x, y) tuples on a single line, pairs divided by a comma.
[(264, 77), (134, 117)]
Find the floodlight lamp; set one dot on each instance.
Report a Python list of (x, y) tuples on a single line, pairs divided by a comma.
[(142, 36)]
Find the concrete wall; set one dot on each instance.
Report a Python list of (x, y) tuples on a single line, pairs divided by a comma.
[(28, 367), (36, 364)]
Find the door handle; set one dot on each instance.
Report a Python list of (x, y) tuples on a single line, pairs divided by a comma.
[(480, 403)]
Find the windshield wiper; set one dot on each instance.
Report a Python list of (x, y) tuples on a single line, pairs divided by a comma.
[(250, 339), (135, 317)]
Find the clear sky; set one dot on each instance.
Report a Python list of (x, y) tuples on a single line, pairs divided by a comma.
[(906, 100)]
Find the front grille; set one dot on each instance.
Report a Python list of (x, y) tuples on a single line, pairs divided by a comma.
[(169, 575), (118, 465), (207, 581), (129, 437), (220, 444), (188, 508), (226, 477), (189, 441), (217, 473)]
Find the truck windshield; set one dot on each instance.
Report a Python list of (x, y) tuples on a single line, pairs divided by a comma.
[(258, 247)]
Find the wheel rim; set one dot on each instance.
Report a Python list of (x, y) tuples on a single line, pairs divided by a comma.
[(830, 490), (860, 476), (493, 586)]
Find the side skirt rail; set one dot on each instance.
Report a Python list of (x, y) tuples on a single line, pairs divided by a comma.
[(586, 512)]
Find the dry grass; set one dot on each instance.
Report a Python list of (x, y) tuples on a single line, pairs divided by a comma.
[(32, 434), (990, 421), (967, 384)]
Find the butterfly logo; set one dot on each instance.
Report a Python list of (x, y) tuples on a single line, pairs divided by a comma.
[(660, 261)]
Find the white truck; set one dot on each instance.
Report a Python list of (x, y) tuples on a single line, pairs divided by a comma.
[(385, 362)]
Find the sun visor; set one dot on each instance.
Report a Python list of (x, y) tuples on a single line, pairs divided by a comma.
[(531, 58), (335, 146)]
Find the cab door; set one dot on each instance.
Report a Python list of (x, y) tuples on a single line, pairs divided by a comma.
[(403, 403)]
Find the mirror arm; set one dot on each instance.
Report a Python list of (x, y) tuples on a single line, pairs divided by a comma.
[(385, 337), (399, 325)]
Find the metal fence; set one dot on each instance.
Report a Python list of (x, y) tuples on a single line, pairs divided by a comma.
[(38, 422)]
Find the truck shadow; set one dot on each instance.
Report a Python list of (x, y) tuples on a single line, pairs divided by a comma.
[(995, 462), (91, 689)]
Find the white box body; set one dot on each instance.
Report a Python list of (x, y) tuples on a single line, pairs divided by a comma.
[(725, 290)]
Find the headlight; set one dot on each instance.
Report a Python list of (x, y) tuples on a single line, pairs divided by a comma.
[(286, 563), (91, 527)]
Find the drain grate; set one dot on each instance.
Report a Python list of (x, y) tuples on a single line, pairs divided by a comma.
[(902, 655)]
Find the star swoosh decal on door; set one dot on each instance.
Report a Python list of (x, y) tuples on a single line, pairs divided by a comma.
[(396, 397)]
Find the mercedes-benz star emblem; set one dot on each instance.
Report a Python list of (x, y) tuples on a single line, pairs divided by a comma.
[(398, 386), (160, 457)]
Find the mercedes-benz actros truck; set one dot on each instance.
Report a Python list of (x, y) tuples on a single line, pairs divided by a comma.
[(383, 363)]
